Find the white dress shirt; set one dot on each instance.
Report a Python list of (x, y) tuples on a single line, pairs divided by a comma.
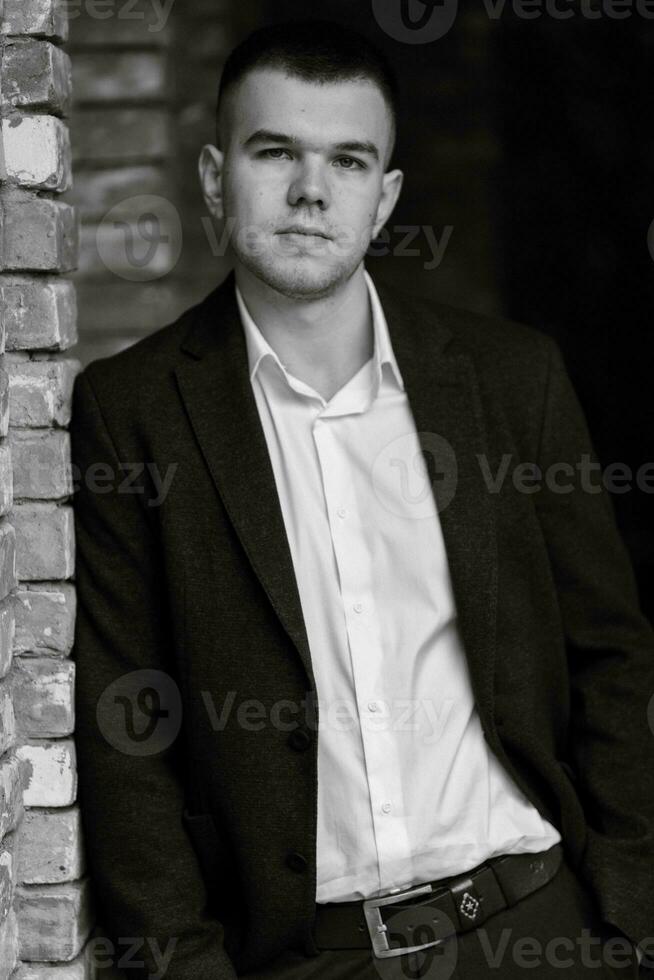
[(408, 789)]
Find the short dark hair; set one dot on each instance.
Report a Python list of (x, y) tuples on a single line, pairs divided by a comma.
[(316, 51)]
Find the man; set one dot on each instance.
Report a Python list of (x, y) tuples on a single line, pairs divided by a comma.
[(381, 632)]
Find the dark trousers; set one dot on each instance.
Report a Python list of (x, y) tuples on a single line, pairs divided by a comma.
[(556, 932)]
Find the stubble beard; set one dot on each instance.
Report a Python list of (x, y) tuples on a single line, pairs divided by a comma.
[(299, 277)]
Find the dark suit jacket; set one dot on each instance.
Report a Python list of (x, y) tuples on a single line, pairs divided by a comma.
[(210, 840)]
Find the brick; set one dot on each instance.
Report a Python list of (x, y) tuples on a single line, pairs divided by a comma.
[(9, 946), (7, 716), (7, 874), (36, 152), (41, 463), (141, 23), (36, 75), (54, 921), (38, 314), (14, 774), (7, 633), (8, 561), (96, 191), (39, 18), (41, 235), (111, 247), (125, 76), (80, 968), (52, 776), (6, 480), (49, 846), (120, 135), (45, 541), (209, 36), (40, 391), (43, 696), (44, 619), (141, 307), (4, 397)]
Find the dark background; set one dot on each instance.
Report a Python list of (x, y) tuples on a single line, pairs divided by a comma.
[(532, 139)]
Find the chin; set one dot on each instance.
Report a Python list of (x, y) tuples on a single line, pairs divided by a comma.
[(303, 277)]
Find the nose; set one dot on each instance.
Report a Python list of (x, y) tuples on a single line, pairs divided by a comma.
[(309, 186)]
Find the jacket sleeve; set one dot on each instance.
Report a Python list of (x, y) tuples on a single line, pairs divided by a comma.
[(148, 887), (610, 647)]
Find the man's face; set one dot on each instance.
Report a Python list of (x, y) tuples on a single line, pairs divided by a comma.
[(300, 154)]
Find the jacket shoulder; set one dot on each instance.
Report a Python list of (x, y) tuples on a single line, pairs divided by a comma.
[(149, 358), (131, 387), (513, 363), (487, 338)]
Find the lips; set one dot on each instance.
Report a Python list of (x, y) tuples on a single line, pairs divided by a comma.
[(302, 230)]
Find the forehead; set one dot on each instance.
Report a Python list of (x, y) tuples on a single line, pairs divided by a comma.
[(268, 98)]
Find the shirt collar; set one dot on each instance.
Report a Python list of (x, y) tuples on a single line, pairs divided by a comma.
[(258, 347)]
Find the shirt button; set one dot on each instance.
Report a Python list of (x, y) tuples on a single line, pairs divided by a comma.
[(341, 512), (358, 607), (372, 706), (386, 808)]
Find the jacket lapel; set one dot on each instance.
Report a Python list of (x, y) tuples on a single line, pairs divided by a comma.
[(215, 388), (441, 384), (443, 393)]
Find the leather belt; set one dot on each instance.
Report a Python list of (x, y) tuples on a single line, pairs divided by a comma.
[(425, 915)]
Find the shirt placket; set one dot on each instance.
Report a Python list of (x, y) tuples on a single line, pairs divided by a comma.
[(372, 708)]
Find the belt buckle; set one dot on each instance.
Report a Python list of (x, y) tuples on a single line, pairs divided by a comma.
[(377, 929)]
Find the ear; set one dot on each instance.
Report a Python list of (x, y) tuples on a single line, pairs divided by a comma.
[(391, 187), (210, 168)]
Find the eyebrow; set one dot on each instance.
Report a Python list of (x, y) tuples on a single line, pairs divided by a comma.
[(350, 146)]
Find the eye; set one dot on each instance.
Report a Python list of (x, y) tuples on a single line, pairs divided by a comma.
[(351, 160), (272, 152)]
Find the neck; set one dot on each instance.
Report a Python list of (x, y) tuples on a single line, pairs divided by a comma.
[(322, 341)]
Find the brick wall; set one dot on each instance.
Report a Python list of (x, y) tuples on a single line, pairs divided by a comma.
[(143, 105), (62, 262), (121, 141), (45, 910)]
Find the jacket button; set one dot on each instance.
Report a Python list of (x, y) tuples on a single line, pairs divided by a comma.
[(299, 739), (296, 862)]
